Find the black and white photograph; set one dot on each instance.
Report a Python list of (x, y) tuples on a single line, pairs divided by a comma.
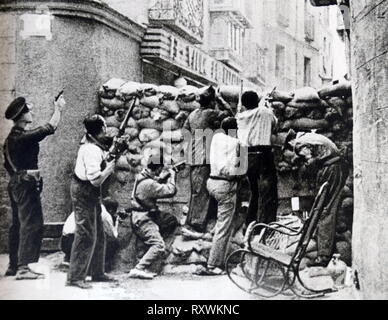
[(194, 150)]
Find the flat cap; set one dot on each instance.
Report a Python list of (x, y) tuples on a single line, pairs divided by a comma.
[(15, 108)]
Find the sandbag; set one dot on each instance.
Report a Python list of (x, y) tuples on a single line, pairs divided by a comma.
[(147, 135), (168, 92), (343, 88), (106, 94), (112, 121), (291, 112), (304, 124), (140, 112), (332, 115), (172, 136), (113, 84), (151, 102), (278, 105), (170, 125), (134, 146), (282, 96), (132, 133), (188, 106), (148, 123), (169, 105), (159, 115), (306, 105), (188, 93), (129, 90), (339, 104), (112, 132), (316, 114), (148, 89), (114, 103), (306, 94)]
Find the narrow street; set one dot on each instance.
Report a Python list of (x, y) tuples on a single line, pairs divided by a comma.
[(182, 287)]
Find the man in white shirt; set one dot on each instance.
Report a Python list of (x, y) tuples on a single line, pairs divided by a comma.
[(255, 128), (108, 215), (90, 172), (228, 163)]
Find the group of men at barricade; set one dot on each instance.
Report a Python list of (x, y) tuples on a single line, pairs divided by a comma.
[(241, 149)]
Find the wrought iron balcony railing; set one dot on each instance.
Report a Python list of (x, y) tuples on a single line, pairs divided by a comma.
[(239, 8), (183, 16)]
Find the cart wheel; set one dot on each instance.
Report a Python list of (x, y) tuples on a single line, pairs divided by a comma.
[(254, 274)]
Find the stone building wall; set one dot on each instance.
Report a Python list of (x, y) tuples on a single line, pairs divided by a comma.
[(90, 43), (369, 46)]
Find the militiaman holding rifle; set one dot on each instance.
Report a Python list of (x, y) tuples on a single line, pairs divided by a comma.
[(95, 163)]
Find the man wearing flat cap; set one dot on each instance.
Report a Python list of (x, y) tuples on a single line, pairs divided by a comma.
[(21, 151)]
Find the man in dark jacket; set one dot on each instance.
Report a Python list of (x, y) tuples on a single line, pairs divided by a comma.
[(200, 124), (148, 221), (21, 151)]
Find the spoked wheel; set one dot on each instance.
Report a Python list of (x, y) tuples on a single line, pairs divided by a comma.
[(255, 275)]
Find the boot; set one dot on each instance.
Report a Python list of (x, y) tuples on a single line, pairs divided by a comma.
[(24, 273), (141, 274), (103, 278), (11, 271), (79, 284)]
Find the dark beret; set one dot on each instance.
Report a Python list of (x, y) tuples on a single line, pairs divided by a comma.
[(15, 108)]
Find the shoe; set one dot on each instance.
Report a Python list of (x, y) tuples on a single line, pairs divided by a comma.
[(212, 271), (103, 278), (27, 274), (79, 284), (320, 261), (11, 271), (141, 274)]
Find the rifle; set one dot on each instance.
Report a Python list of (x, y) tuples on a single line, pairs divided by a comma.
[(269, 96), (118, 147)]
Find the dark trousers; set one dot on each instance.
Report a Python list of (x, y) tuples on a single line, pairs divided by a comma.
[(200, 201), (336, 175), (67, 243), (88, 250), (25, 233), (263, 181)]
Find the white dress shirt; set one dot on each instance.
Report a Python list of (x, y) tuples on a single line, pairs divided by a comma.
[(89, 159), (227, 157)]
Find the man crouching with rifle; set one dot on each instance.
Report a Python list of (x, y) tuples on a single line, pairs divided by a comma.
[(96, 161), (149, 222)]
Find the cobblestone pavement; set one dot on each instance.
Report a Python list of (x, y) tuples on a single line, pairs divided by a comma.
[(182, 287)]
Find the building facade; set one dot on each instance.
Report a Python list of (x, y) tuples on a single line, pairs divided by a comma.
[(290, 45)]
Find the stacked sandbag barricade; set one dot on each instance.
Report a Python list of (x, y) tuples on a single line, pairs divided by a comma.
[(329, 112), (157, 120), (156, 123)]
